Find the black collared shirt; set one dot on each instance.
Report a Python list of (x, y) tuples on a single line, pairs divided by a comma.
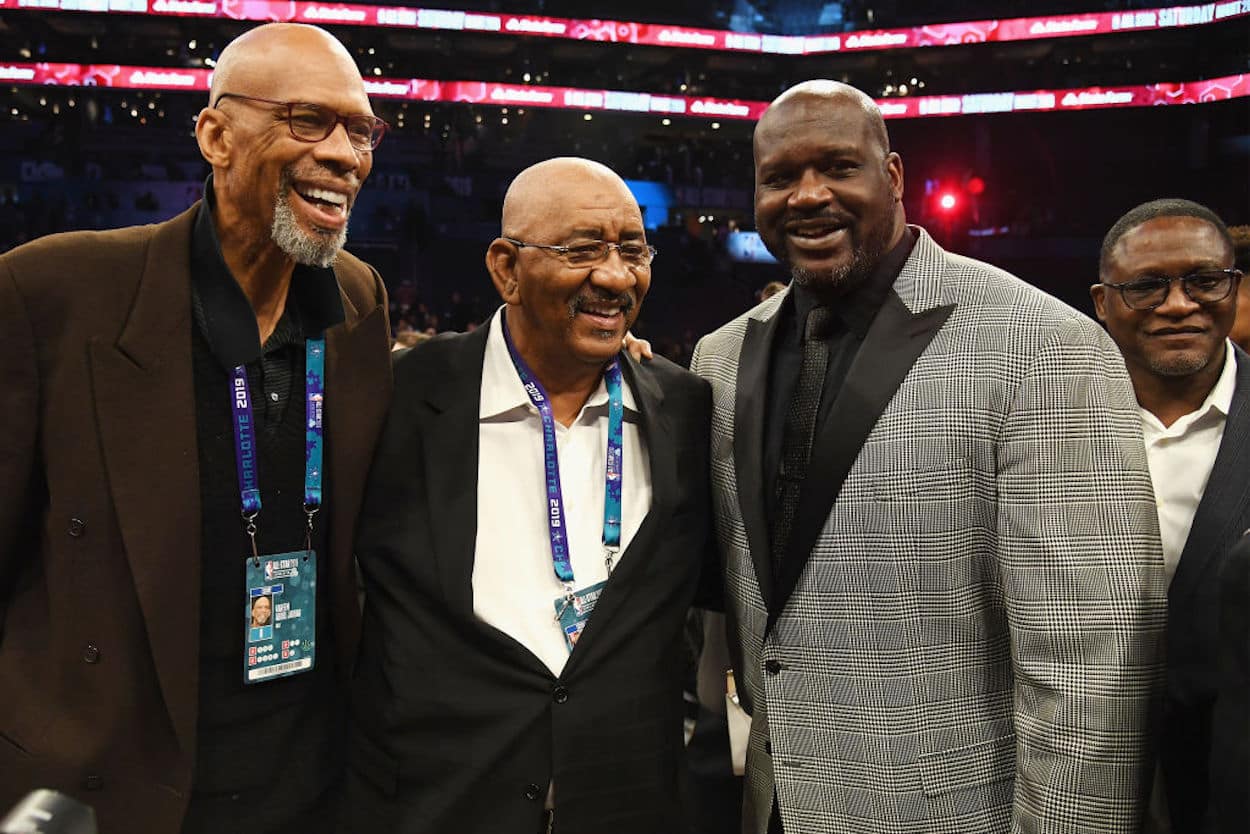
[(268, 752), (854, 312)]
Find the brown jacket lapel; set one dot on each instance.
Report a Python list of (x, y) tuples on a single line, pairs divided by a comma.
[(145, 408), (358, 393)]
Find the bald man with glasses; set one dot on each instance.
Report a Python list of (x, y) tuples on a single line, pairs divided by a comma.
[(1167, 293), (531, 539), (187, 413)]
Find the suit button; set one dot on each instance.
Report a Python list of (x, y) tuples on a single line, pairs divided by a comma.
[(560, 694), (91, 653), (93, 783), (772, 667), (77, 527), (533, 792)]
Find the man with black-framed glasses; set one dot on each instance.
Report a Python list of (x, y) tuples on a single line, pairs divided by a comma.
[(1167, 293), (187, 415)]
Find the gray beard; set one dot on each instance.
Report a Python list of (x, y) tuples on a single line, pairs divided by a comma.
[(317, 249)]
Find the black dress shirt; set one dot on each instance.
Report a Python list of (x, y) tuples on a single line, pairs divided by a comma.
[(854, 311), (268, 753)]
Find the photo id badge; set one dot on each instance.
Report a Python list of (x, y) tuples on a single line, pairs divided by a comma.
[(573, 614), (280, 616)]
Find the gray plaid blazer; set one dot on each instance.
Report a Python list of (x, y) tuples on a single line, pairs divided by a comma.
[(966, 633)]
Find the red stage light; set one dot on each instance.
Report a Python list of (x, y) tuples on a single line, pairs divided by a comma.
[(948, 201)]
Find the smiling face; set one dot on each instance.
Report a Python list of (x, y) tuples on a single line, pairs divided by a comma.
[(1180, 337), (827, 191), (287, 193), (261, 609), (564, 318)]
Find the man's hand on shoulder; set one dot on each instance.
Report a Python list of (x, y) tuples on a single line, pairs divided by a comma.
[(640, 349)]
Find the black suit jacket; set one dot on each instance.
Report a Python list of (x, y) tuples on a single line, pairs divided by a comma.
[(1230, 725), (1194, 602), (457, 727)]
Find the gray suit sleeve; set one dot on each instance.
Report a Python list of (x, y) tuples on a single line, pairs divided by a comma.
[(1081, 573)]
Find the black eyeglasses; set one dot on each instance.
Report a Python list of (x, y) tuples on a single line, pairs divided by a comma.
[(1206, 286), (313, 122), (590, 252)]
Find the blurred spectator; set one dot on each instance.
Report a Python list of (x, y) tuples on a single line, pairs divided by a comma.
[(771, 289), (1241, 259)]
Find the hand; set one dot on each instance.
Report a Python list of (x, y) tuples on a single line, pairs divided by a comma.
[(640, 349)]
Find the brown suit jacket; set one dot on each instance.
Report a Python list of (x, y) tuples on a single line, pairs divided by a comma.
[(100, 517)]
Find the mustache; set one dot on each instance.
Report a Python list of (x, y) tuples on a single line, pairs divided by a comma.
[(316, 172), (623, 300)]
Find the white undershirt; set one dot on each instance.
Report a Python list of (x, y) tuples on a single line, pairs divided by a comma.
[(1181, 457), (514, 581)]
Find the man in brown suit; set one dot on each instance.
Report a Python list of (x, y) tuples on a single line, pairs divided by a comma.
[(124, 578)]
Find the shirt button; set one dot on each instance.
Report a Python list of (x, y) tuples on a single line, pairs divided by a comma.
[(772, 667), (90, 653), (560, 694), (77, 527), (532, 792), (273, 396)]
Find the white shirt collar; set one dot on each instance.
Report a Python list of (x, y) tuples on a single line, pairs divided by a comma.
[(503, 392), (1219, 400)]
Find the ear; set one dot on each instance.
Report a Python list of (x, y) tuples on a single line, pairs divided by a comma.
[(1099, 294), (894, 170), (501, 262), (212, 133)]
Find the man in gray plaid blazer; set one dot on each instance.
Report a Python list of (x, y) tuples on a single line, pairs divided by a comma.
[(947, 591)]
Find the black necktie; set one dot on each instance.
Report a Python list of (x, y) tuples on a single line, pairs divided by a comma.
[(796, 442)]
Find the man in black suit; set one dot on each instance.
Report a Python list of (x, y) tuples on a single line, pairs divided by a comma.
[(1168, 295), (1230, 724), (521, 660)]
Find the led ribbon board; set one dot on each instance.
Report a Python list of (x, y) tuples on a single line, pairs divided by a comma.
[(114, 76), (655, 34)]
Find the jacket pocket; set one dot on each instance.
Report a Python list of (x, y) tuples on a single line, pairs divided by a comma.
[(965, 767), (950, 480)]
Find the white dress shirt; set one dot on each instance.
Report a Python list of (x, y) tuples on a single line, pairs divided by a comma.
[(1181, 457), (514, 581)]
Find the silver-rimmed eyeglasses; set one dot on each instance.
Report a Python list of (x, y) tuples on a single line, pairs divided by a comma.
[(314, 122), (1205, 286), (591, 252)]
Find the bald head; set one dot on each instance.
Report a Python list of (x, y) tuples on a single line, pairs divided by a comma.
[(279, 55), (554, 189), (835, 96)]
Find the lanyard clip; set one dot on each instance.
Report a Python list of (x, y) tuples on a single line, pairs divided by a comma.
[(609, 557), (310, 510), (250, 518)]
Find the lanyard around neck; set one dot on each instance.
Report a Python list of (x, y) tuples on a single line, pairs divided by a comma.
[(245, 440), (556, 520)]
